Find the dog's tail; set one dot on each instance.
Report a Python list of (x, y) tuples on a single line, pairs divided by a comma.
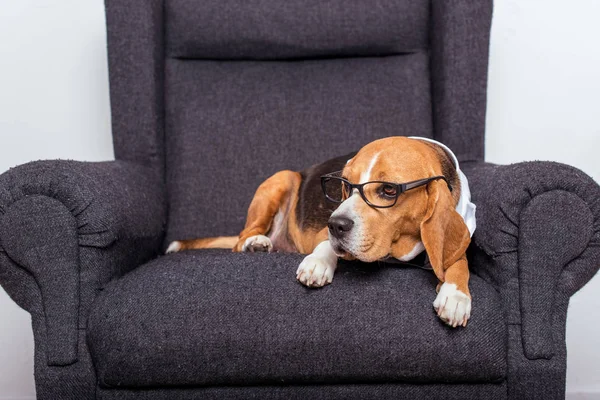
[(221, 242)]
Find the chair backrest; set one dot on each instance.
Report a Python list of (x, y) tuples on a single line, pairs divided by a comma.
[(218, 95)]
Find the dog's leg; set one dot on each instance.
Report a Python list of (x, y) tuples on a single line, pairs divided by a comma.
[(317, 268), (221, 242), (453, 302), (271, 196)]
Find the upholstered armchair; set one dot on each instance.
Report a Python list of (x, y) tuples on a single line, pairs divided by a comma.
[(208, 99)]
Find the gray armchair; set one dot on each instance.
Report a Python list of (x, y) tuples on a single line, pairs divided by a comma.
[(208, 99)]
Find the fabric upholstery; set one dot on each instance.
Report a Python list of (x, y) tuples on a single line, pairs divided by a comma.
[(457, 37), (271, 29), (233, 124), (379, 391), (540, 378), (219, 318), (38, 231), (522, 211), (135, 36), (537, 242), (67, 228), (460, 32)]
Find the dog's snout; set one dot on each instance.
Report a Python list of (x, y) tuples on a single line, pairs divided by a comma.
[(339, 226)]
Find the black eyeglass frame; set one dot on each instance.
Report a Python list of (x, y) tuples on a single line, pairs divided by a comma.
[(400, 187)]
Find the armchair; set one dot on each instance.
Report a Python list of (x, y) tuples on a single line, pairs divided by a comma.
[(206, 95)]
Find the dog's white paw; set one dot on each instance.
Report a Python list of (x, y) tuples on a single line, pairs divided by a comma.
[(315, 271), (452, 306), (258, 243), (174, 247)]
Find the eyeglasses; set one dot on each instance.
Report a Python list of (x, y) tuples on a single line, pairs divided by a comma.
[(378, 194)]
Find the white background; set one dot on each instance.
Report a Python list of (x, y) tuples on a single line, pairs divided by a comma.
[(544, 103)]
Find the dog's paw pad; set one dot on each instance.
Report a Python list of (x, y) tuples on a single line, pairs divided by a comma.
[(452, 306), (174, 247), (258, 243), (315, 272)]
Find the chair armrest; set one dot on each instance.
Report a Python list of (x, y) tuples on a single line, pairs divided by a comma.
[(67, 228), (543, 220)]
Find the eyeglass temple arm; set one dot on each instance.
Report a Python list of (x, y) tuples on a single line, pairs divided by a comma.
[(421, 182)]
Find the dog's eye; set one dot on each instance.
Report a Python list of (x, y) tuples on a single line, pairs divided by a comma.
[(347, 189), (389, 190)]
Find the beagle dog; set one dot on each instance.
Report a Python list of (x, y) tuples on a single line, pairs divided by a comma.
[(392, 200)]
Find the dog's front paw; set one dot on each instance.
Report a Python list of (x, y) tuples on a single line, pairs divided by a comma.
[(315, 271), (257, 243), (452, 306)]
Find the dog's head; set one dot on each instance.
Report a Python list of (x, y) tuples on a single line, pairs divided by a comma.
[(424, 217)]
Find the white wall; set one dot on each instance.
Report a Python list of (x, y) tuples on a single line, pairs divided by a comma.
[(53, 104), (543, 104)]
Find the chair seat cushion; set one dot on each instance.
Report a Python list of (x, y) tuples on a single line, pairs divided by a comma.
[(212, 317)]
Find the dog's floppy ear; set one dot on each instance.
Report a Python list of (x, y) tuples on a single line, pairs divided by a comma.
[(443, 231)]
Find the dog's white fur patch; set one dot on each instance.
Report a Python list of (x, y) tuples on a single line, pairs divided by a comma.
[(174, 247), (257, 243), (365, 176), (452, 306), (347, 209), (317, 268), (418, 249), (353, 241)]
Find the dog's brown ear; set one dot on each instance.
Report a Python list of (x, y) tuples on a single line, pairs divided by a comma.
[(443, 231)]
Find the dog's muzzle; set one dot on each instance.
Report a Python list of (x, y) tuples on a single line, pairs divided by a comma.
[(339, 227)]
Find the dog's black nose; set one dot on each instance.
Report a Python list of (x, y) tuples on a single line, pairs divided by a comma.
[(339, 226)]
